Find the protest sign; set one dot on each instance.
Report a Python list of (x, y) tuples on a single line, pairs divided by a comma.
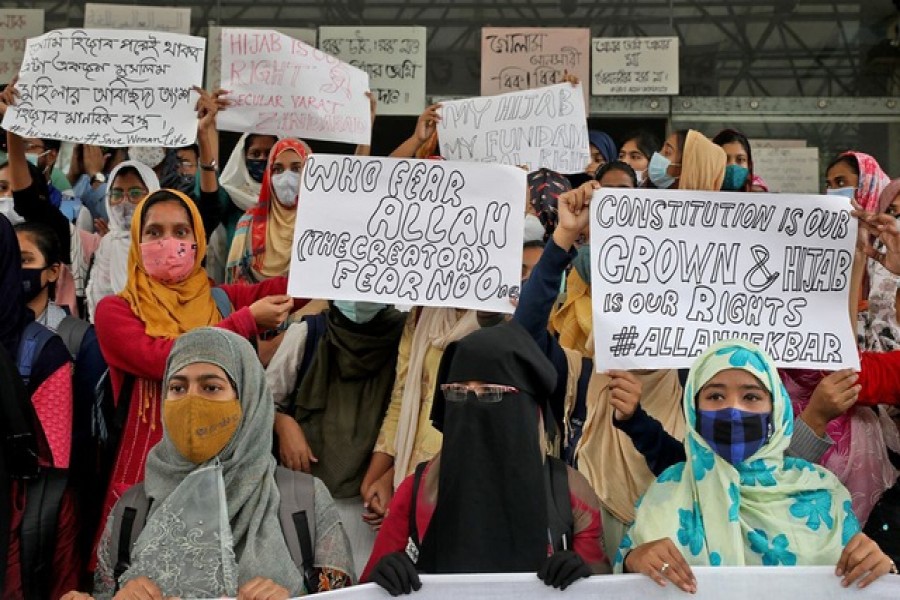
[(525, 58), (285, 87), (634, 66), (675, 271), (16, 26), (510, 128), (109, 88), (393, 57), (789, 170), (214, 49), (713, 583), (135, 16), (414, 232)]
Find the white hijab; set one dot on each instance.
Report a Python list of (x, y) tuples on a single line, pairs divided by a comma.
[(110, 271), (236, 180)]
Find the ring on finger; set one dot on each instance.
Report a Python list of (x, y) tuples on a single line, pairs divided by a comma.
[(664, 568)]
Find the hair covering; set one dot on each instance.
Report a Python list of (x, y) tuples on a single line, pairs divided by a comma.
[(491, 509), (109, 273), (544, 189), (604, 144), (169, 310), (702, 164), (235, 178), (872, 180), (14, 315), (264, 236), (888, 195), (768, 510), (248, 471), (574, 321)]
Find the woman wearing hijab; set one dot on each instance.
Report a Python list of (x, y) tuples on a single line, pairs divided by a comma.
[(167, 294), (262, 242), (737, 499), (129, 183), (739, 168), (486, 503), (40, 563), (857, 176), (603, 150), (202, 544)]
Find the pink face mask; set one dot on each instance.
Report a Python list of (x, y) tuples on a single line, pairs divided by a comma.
[(170, 260)]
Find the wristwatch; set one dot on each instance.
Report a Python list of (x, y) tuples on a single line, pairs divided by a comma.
[(213, 166), (98, 177)]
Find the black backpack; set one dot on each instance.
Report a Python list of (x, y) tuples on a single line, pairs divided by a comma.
[(296, 514)]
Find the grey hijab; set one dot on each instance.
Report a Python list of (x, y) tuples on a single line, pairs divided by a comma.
[(172, 552)]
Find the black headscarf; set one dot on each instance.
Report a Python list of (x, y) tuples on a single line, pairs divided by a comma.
[(491, 511), (14, 314)]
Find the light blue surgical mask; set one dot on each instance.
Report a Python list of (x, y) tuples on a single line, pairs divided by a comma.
[(735, 178), (359, 312), (847, 192), (33, 158), (658, 171)]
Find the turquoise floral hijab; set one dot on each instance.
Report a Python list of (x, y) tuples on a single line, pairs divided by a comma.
[(768, 510)]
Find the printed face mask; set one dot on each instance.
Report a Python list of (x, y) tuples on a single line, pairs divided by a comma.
[(847, 192), (287, 188), (201, 428), (735, 178), (658, 171), (256, 168), (734, 434), (170, 260)]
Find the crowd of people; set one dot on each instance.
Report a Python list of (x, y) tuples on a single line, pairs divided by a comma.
[(175, 424)]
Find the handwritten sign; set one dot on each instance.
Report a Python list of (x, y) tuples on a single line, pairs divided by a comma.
[(514, 59), (134, 16), (285, 87), (214, 49), (109, 87), (510, 128), (415, 232), (16, 26), (674, 272), (634, 66), (788, 170), (742, 583), (393, 57)]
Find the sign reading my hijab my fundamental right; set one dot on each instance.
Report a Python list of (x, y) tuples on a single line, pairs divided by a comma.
[(405, 231), (673, 272)]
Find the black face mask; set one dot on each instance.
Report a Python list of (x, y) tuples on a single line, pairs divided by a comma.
[(256, 167), (31, 283)]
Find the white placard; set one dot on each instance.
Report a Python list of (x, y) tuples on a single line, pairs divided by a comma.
[(135, 16), (214, 49), (406, 231), (109, 87), (393, 57), (788, 170), (675, 271), (507, 128), (285, 87), (16, 26), (524, 58), (634, 66)]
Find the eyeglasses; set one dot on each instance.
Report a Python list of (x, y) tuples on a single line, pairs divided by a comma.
[(135, 195), (457, 392)]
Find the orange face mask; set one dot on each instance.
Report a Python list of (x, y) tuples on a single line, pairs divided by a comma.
[(201, 428)]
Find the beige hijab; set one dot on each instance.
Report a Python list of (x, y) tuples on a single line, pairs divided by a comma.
[(702, 164)]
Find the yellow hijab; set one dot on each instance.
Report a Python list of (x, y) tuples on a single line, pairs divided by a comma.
[(168, 310), (702, 164), (573, 321)]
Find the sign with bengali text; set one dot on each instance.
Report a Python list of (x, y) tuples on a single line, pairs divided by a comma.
[(634, 66)]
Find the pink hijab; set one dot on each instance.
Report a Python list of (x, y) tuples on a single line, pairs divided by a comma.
[(872, 180)]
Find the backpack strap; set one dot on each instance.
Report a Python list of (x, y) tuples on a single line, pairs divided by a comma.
[(37, 533), (34, 338), (223, 302), (412, 543), (72, 331), (297, 515), (560, 520), (128, 519)]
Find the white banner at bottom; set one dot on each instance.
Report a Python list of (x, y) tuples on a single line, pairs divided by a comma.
[(713, 583)]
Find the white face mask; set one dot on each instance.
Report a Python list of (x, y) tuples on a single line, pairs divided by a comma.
[(287, 188), (7, 210), (124, 212)]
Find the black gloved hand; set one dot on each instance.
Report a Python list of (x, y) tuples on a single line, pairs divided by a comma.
[(396, 574), (562, 569)]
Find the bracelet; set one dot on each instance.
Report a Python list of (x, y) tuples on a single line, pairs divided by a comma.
[(213, 166)]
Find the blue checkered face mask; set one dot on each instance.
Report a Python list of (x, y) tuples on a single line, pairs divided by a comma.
[(734, 434)]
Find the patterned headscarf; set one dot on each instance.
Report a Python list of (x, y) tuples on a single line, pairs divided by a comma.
[(872, 180), (768, 510), (544, 188)]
